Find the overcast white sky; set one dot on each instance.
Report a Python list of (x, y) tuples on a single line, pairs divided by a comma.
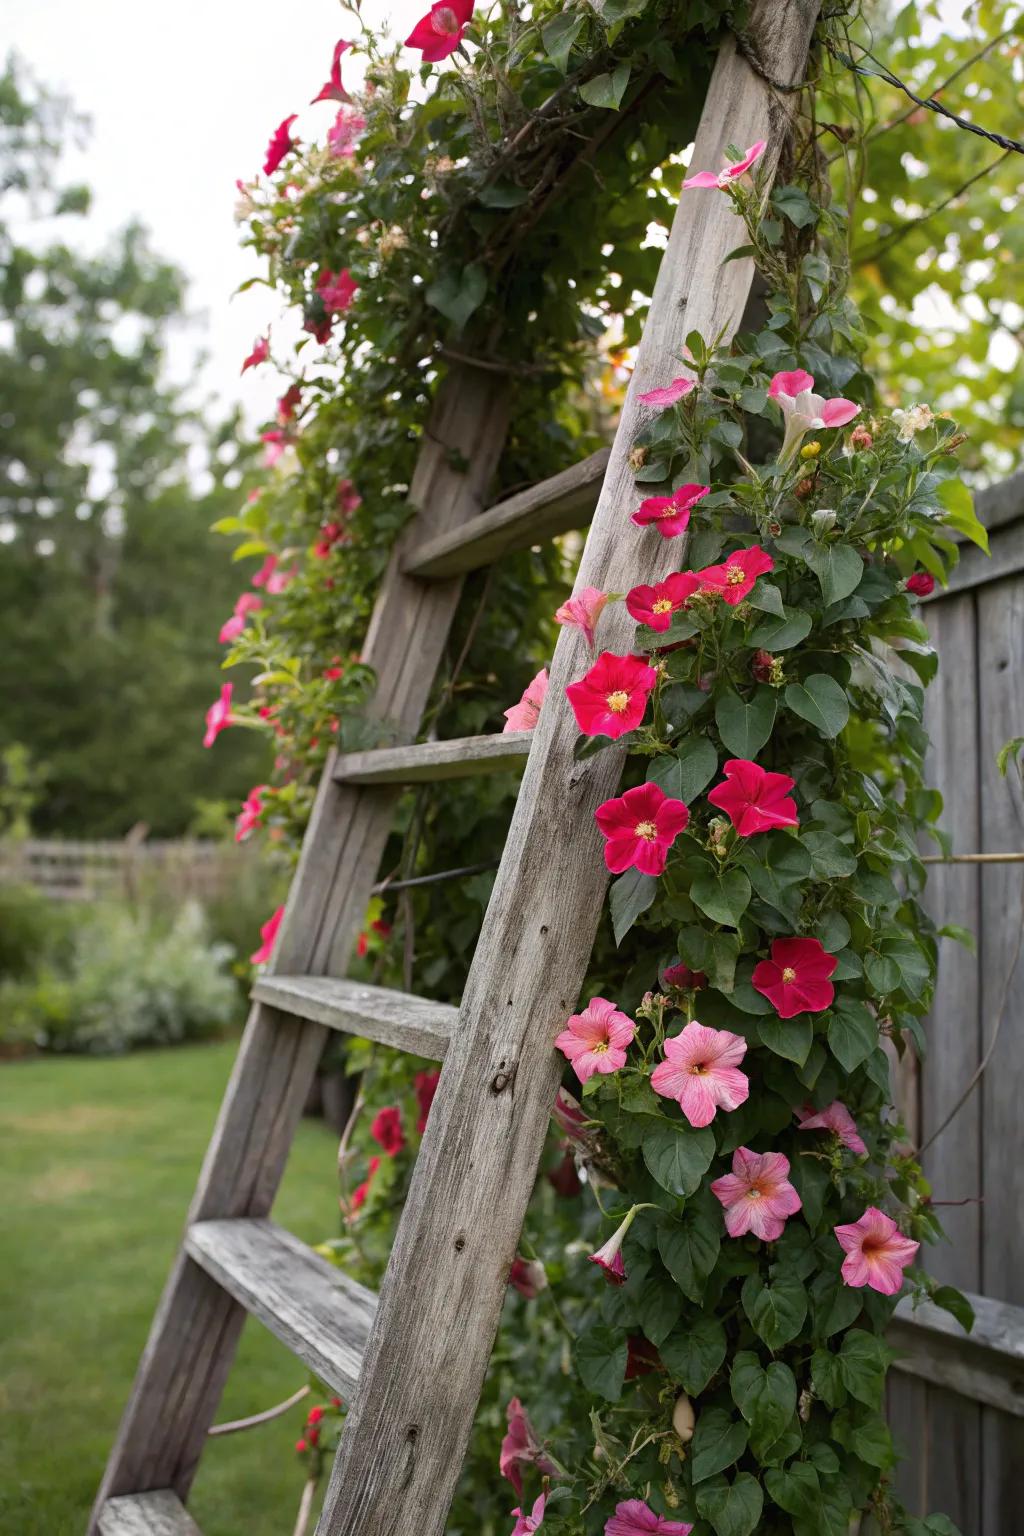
[(183, 98)]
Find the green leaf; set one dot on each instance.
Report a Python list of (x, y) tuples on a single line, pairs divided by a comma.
[(630, 896), (601, 1360), (744, 728), (777, 864), (767, 597), (960, 514), (821, 702), (718, 1442), (606, 90), (838, 568), (503, 194), (689, 1249), (863, 1359), (458, 294), (731, 1509), (826, 1378), (852, 1033), (831, 859), (776, 634), (677, 1156), (955, 1302), (559, 35), (776, 1311), (883, 974), (795, 1489), (713, 953), (658, 1307), (766, 1398), (684, 773), (724, 898), (789, 1038), (694, 1353), (795, 205)]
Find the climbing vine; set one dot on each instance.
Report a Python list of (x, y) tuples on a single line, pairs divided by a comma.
[(729, 1212)]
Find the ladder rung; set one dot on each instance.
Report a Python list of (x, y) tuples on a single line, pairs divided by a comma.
[(315, 1309), (554, 506), (409, 1023), (433, 760), (158, 1513)]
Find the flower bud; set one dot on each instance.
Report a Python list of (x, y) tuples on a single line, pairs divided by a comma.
[(805, 1404), (761, 666), (810, 450), (804, 488), (683, 1418), (956, 441), (860, 439), (637, 458), (823, 520), (774, 528)]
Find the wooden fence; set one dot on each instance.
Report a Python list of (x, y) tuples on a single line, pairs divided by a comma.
[(128, 869), (957, 1408)]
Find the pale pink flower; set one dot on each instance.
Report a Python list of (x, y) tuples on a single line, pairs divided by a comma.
[(524, 715), (526, 1524), (729, 173), (218, 716), (582, 611), (668, 394), (596, 1039), (804, 411), (876, 1251), (344, 131), (609, 1256), (521, 1447), (635, 1518), (274, 444), (835, 1117), (701, 1072), (757, 1195)]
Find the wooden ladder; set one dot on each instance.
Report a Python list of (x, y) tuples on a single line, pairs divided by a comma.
[(411, 1362)]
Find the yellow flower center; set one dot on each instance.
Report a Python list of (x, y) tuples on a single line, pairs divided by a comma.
[(735, 575), (788, 973), (600, 1047), (647, 830), (698, 1069), (661, 606), (617, 701)]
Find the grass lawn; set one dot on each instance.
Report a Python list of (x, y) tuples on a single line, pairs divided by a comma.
[(97, 1163)]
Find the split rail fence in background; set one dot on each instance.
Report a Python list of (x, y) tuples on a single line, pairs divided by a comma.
[(82, 870)]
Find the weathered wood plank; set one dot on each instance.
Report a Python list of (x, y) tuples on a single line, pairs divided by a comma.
[(565, 501), (1002, 502), (195, 1331), (316, 1311), (160, 1513), (406, 1434), (430, 761), (413, 1024), (984, 1366), (976, 569)]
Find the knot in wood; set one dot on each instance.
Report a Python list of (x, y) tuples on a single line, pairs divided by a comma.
[(500, 1081)]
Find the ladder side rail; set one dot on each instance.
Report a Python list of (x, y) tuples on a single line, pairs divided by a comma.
[(404, 1443), (195, 1331)]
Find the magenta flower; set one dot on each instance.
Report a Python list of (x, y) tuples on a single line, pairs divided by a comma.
[(754, 799), (701, 1072), (344, 131), (281, 144), (248, 818), (876, 1251), (609, 1256), (796, 978), (386, 1130), (528, 1277), (582, 612), (288, 403), (612, 698), (336, 289), (654, 606), (922, 584), (569, 1117), (526, 1524), (639, 828), (268, 933), (265, 571), (439, 32), (757, 1195), (522, 1448), (218, 716), (669, 514), (683, 978), (275, 442), (334, 90), (734, 578), (233, 627), (596, 1039), (835, 1117), (524, 715), (668, 394), (729, 173), (804, 411), (635, 1518), (259, 354)]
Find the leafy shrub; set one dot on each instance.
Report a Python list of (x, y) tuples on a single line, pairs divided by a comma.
[(31, 928)]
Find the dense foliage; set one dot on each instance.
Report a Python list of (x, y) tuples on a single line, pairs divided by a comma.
[(767, 950)]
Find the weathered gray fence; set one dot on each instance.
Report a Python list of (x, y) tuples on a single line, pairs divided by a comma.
[(959, 1414), (67, 870)]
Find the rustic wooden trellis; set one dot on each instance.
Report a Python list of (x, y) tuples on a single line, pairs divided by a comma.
[(411, 1361)]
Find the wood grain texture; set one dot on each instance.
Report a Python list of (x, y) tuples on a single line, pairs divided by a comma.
[(984, 1366), (160, 1513), (430, 761), (976, 569), (1001, 503), (413, 1024), (195, 1331), (316, 1311), (406, 1434), (557, 505)]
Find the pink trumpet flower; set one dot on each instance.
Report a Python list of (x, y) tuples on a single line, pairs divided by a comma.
[(668, 394), (876, 1251), (635, 1518), (757, 1195), (582, 612), (724, 178), (701, 1072), (334, 90), (803, 411), (835, 1117)]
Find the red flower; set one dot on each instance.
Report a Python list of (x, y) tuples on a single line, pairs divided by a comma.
[(281, 144), (386, 1130), (564, 1179), (754, 799), (654, 606), (761, 666), (439, 33), (682, 977), (425, 1085), (360, 1193), (922, 584), (670, 514), (300, 1446), (796, 978), (259, 354), (336, 289), (641, 1357), (249, 816), (330, 534), (314, 1415), (640, 827), (735, 577), (287, 404), (347, 498), (334, 90), (268, 933), (528, 1277), (612, 698)]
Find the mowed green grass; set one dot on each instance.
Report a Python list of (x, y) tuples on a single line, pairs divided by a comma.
[(98, 1159)]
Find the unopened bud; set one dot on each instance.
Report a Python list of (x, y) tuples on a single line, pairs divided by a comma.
[(683, 1418), (956, 441), (860, 439), (805, 1404), (823, 520), (774, 528), (810, 450), (761, 666)]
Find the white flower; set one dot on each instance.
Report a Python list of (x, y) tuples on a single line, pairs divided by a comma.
[(917, 419)]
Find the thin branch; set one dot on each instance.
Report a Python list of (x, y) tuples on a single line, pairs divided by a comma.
[(435, 879), (973, 858), (234, 1425), (305, 1506)]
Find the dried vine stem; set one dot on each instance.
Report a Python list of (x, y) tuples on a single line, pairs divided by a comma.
[(233, 1426)]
